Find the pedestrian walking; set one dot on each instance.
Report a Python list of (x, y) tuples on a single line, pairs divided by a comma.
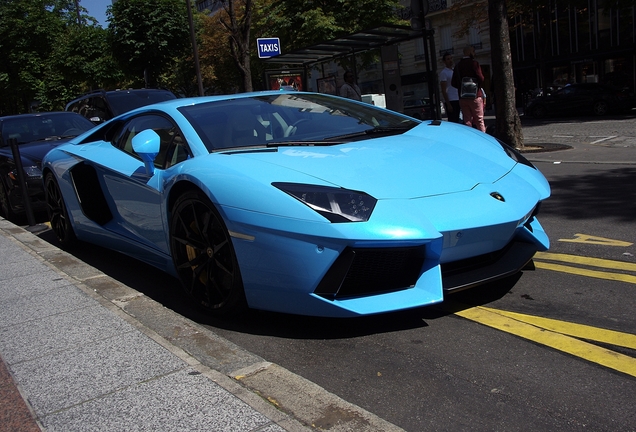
[(449, 93), (469, 80)]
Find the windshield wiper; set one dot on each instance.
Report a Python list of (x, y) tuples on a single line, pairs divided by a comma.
[(302, 143), (378, 130)]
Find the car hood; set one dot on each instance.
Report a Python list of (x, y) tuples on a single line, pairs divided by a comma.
[(426, 161), (34, 151)]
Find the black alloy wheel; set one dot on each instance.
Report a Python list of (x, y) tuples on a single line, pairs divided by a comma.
[(204, 256), (600, 108), (539, 111), (58, 215)]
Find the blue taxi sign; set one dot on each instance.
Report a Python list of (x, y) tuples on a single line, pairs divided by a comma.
[(268, 47)]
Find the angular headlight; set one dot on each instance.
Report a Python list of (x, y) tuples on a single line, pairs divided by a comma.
[(335, 204)]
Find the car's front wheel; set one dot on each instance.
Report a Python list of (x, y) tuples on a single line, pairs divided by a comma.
[(58, 214), (539, 111), (204, 256), (600, 108)]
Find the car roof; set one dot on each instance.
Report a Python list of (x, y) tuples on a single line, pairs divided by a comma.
[(119, 91)]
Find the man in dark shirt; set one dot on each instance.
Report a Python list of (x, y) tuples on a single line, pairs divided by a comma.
[(472, 107)]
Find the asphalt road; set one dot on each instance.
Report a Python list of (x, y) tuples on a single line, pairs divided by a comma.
[(566, 361)]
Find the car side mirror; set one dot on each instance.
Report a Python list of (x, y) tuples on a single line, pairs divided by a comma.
[(147, 144)]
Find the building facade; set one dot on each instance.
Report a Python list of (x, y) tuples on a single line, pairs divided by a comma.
[(565, 43)]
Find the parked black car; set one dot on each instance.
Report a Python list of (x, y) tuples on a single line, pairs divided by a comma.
[(418, 108), (35, 134), (100, 105), (584, 98)]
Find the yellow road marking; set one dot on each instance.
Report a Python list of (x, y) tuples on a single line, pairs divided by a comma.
[(585, 272), (584, 238), (595, 262), (572, 329), (558, 341)]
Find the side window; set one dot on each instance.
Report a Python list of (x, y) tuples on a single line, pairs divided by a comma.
[(173, 149), (82, 107), (100, 109)]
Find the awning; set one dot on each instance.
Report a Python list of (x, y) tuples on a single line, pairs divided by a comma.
[(347, 45)]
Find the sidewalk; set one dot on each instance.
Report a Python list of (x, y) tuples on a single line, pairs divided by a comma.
[(77, 352)]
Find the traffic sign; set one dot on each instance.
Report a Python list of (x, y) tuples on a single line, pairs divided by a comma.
[(268, 47)]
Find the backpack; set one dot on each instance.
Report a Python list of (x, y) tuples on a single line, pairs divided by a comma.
[(468, 88)]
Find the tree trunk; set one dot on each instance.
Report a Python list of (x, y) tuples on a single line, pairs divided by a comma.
[(508, 123), (239, 31)]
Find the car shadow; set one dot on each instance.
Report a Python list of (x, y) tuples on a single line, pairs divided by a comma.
[(290, 326)]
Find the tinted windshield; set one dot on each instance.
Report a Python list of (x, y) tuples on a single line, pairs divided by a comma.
[(39, 127), (285, 119), (124, 101)]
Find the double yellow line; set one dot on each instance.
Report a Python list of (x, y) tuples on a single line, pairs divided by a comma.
[(575, 339), (592, 262), (560, 335)]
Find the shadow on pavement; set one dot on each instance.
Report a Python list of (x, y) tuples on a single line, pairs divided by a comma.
[(596, 194)]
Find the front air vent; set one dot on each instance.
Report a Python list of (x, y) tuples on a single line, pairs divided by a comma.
[(362, 271)]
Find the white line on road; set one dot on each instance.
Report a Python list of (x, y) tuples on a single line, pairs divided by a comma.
[(602, 139)]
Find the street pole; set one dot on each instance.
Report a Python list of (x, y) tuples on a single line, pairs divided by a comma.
[(28, 210), (433, 82), (419, 10), (195, 50)]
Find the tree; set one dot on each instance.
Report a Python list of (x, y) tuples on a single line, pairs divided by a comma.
[(147, 36), (508, 123), (28, 29), (79, 62), (238, 21)]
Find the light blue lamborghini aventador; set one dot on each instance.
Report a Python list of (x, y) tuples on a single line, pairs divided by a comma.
[(299, 202)]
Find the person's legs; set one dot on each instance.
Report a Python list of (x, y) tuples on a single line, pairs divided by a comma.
[(478, 114), (454, 116), (465, 105)]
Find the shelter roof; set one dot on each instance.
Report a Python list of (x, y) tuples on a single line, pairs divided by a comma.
[(346, 45)]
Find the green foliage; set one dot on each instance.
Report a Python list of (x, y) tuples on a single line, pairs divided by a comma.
[(146, 36), (299, 23), (79, 62), (48, 58), (27, 32)]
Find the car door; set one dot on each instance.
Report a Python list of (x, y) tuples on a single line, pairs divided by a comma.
[(136, 196)]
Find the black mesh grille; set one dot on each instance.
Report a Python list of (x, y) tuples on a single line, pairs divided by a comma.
[(360, 272)]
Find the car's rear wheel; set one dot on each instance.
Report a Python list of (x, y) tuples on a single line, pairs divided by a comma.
[(600, 108), (58, 214), (204, 256), (5, 204), (539, 111)]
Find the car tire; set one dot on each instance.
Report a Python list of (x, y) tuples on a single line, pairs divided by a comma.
[(57, 212), (539, 111), (600, 108), (5, 204), (204, 256)]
